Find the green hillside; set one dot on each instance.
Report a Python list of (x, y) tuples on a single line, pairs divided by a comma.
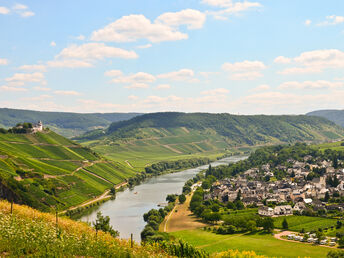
[(336, 116), (153, 137), (45, 169), (66, 124)]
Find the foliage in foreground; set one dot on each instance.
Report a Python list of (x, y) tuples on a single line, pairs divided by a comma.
[(28, 232)]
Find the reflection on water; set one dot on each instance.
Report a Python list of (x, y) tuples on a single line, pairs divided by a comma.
[(126, 211)]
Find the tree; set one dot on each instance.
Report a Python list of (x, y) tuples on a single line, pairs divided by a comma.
[(182, 198), (341, 242), (171, 198), (335, 254), (327, 197), (285, 224), (206, 184), (251, 226), (335, 161), (268, 224), (103, 223)]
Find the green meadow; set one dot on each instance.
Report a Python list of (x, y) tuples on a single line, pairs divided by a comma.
[(264, 244), (297, 223)]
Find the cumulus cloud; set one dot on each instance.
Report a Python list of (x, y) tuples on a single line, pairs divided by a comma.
[(66, 93), (113, 73), (259, 88), (219, 91), (19, 7), (310, 85), (163, 87), (39, 88), (228, 7), (53, 43), (144, 46), (246, 70), (181, 75), (41, 68), (26, 77), (282, 60), (91, 51), (4, 10), (332, 20), (12, 89), (3, 61), (133, 97), (69, 63), (137, 85), (134, 27), (193, 19), (139, 77), (308, 22)]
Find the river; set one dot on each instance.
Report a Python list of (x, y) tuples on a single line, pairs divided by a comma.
[(126, 211)]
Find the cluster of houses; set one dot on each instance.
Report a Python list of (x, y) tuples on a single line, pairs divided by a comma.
[(38, 127), (312, 238), (253, 188)]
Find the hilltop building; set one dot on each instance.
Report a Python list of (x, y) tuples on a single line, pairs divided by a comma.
[(37, 127)]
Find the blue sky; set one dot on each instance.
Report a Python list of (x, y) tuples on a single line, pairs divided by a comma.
[(247, 57)]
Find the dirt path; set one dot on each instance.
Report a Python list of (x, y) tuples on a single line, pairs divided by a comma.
[(172, 149), (126, 161), (181, 218), (103, 196), (285, 233)]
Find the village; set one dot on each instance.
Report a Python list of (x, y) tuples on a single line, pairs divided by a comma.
[(297, 192)]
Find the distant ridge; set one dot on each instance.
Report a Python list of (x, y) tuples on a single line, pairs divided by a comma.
[(334, 115), (65, 123)]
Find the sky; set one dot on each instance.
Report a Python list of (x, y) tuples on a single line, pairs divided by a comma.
[(223, 56)]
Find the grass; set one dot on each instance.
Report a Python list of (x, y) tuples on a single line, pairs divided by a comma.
[(263, 244), (297, 223)]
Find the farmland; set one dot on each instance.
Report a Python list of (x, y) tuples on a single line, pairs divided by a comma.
[(260, 243)]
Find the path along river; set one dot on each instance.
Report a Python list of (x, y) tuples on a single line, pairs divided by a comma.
[(126, 211)]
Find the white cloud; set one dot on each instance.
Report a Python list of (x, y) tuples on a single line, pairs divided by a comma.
[(181, 75), (310, 85), (193, 19), (299, 70), (38, 98), (3, 61), (137, 85), (113, 73), (246, 70), (134, 27), (4, 10), (282, 60), (139, 77), (262, 87), (163, 86), (53, 43), (38, 88), (219, 91), (41, 68), (308, 22), (229, 7), (316, 61), (26, 77), (12, 89), (332, 20), (91, 51), (243, 66), (19, 7), (208, 74), (144, 46), (66, 93), (133, 97), (80, 37), (69, 63), (26, 14)]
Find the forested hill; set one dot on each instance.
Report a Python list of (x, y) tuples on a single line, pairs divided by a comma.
[(67, 124), (237, 129), (336, 116)]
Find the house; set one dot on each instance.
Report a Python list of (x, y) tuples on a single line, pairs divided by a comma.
[(37, 127), (283, 210), (265, 211), (299, 206)]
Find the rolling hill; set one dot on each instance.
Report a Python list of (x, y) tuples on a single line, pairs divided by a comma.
[(336, 116), (150, 138), (45, 169), (66, 124)]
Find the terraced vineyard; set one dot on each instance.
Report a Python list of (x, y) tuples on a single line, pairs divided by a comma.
[(45, 169)]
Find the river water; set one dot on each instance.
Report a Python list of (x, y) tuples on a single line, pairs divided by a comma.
[(126, 211)]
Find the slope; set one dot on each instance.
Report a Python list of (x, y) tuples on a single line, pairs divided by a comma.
[(336, 116), (67, 124), (45, 169), (153, 137)]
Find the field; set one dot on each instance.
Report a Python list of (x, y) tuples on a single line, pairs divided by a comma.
[(333, 145), (297, 223), (46, 169), (161, 144), (263, 244)]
